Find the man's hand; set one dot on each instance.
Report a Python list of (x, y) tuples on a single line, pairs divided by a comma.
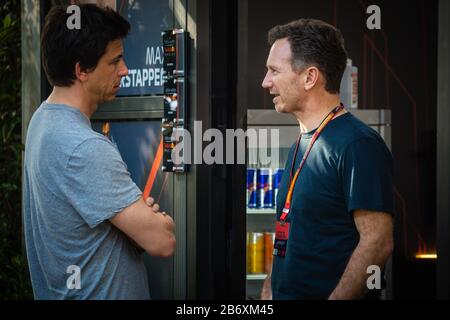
[(152, 204)]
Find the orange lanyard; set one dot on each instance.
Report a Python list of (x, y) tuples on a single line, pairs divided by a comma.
[(293, 180)]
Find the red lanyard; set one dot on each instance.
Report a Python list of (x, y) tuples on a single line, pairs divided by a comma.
[(293, 180)]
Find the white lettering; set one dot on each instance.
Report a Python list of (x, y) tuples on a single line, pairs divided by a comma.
[(74, 21), (374, 281), (193, 310), (157, 78), (144, 76), (374, 21), (74, 281)]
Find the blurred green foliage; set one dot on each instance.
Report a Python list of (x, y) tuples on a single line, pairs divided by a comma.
[(14, 276)]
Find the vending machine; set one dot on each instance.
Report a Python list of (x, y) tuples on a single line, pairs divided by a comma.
[(264, 169)]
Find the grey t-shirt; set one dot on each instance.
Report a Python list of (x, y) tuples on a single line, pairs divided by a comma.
[(74, 181)]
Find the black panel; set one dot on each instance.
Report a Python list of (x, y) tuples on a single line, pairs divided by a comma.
[(220, 222)]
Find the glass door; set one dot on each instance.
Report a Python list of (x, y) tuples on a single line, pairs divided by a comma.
[(270, 136)]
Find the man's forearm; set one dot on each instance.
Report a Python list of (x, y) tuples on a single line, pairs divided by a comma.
[(353, 282), (138, 247)]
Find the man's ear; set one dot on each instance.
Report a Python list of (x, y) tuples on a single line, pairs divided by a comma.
[(81, 75), (311, 77)]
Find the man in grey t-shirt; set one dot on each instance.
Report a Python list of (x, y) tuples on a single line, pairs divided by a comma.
[(85, 219)]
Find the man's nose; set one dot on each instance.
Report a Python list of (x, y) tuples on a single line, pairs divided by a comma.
[(124, 70), (267, 82)]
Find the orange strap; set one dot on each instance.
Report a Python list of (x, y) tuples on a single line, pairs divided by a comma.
[(153, 171)]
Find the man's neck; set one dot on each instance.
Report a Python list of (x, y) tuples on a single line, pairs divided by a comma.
[(75, 97), (315, 110)]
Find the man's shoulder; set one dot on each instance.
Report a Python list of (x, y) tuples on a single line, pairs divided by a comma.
[(349, 136), (59, 132), (59, 122), (352, 131), (355, 139)]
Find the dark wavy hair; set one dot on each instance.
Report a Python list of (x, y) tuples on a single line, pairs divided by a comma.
[(62, 47), (315, 43)]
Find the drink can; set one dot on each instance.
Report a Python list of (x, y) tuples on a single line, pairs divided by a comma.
[(277, 175), (248, 252), (256, 252), (265, 192), (251, 188), (269, 239)]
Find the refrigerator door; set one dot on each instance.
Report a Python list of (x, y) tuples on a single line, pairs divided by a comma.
[(276, 132)]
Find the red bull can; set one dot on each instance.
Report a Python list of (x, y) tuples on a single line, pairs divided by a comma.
[(251, 188), (277, 175), (265, 192)]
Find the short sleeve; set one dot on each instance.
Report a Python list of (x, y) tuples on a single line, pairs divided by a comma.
[(99, 184), (367, 176)]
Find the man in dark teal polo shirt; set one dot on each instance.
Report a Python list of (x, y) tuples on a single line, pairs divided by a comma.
[(338, 221)]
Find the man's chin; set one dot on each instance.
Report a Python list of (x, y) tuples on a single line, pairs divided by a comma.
[(110, 98), (279, 109)]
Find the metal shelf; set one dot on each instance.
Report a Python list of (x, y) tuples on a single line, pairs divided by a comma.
[(261, 211), (261, 276)]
